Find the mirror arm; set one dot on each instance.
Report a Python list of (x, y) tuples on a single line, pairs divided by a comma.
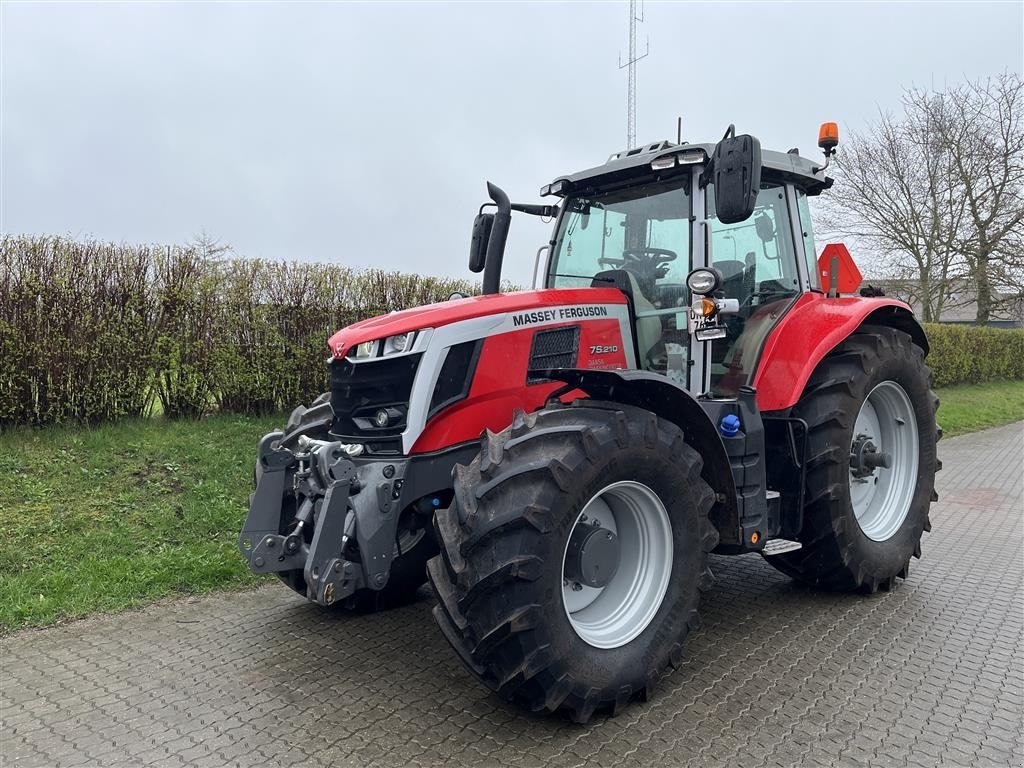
[(705, 175), (547, 211)]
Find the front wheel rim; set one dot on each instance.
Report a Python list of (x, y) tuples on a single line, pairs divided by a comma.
[(613, 615), (881, 501)]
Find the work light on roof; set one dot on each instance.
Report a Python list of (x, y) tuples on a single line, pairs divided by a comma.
[(554, 188), (686, 157)]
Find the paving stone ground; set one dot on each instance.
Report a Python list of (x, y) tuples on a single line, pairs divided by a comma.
[(779, 675)]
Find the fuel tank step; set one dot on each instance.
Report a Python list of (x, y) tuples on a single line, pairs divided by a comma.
[(778, 546)]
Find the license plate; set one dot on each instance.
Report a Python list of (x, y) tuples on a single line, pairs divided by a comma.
[(698, 322), (705, 328)]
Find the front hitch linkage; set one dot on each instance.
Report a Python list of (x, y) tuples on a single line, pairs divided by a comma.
[(323, 479)]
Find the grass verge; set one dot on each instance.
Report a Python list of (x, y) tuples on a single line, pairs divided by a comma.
[(970, 407), (105, 518)]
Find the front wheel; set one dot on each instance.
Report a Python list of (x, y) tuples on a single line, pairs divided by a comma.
[(871, 463), (573, 557)]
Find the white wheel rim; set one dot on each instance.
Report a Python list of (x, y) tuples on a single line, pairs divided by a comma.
[(613, 615), (881, 501)]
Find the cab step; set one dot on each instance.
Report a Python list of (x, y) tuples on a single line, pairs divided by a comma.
[(778, 546)]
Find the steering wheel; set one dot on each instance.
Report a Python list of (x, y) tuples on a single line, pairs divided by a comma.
[(657, 254), (656, 257), (647, 263)]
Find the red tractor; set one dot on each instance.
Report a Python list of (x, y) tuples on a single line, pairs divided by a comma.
[(560, 462)]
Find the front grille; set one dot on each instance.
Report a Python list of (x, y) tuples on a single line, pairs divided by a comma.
[(552, 349), (360, 390)]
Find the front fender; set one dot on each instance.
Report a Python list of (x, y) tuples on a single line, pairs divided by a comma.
[(671, 402), (810, 330)]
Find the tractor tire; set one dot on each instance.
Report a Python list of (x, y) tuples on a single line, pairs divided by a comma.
[(504, 599), (859, 532), (415, 546)]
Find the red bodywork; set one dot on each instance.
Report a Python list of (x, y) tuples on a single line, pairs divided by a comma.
[(811, 329), (498, 390), (446, 312)]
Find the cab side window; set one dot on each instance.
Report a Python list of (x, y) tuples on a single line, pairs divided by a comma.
[(756, 257), (810, 254)]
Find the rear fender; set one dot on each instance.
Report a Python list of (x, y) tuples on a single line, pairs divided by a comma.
[(673, 403), (810, 330)]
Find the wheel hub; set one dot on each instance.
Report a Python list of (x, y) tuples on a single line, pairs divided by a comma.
[(617, 564), (865, 457), (592, 557)]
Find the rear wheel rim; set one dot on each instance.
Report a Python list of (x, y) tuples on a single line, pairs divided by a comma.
[(614, 615), (881, 501)]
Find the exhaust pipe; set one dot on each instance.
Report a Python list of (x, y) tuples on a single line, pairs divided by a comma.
[(496, 242)]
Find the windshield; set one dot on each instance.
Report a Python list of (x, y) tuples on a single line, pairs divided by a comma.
[(644, 230)]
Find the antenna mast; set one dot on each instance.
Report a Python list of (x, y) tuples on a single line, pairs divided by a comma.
[(630, 63)]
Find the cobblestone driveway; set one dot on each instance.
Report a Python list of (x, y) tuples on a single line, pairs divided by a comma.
[(779, 675)]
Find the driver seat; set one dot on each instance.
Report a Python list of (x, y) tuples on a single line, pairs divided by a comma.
[(648, 329)]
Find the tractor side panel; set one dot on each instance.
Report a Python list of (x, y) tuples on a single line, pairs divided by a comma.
[(809, 331), (502, 385)]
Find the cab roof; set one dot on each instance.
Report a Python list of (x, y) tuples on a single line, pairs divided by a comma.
[(637, 163)]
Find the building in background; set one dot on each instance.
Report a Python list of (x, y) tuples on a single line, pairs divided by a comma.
[(959, 306)]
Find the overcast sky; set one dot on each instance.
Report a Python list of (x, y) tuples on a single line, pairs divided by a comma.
[(363, 133)]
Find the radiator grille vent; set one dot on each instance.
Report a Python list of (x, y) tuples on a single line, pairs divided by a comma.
[(554, 348)]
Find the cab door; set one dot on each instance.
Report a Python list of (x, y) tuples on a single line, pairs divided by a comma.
[(761, 262)]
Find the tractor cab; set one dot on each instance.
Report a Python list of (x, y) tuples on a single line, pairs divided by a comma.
[(649, 217)]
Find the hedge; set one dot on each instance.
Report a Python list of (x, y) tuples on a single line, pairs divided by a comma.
[(968, 354), (92, 331)]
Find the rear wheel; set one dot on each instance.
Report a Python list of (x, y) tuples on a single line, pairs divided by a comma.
[(871, 462), (573, 557), (414, 544)]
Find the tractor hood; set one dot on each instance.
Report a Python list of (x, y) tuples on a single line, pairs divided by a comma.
[(447, 312)]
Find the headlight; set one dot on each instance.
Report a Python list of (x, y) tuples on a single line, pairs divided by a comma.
[(365, 349), (704, 280), (393, 345)]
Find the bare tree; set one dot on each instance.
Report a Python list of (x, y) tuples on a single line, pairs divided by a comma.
[(894, 197), (936, 195), (209, 247), (981, 131)]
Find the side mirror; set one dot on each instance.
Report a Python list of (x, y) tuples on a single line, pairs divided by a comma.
[(478, 243), (765, 228), (737, 177)]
